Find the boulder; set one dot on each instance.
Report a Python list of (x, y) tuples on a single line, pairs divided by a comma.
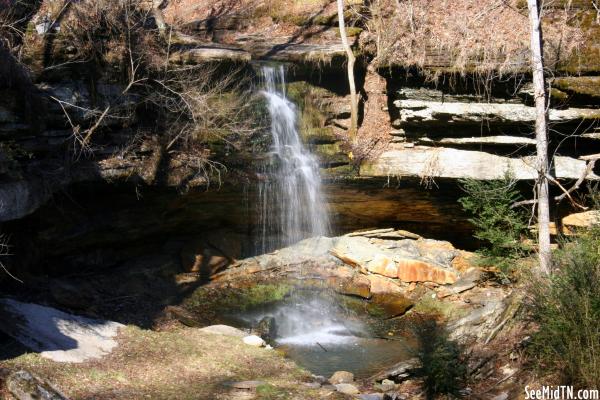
[(468, 280), (254, 340), (584, 219), (341, 377), (267, 328), (482, 320), (371, 396), (389, 305), (355, 251), (347, 388), (388, 384), (399, 371), (396, 262), (224, 330), (382, 265), (23, 385), (20, 198), (381, 285), (355, 285)]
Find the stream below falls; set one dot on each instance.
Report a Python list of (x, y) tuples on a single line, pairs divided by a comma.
[(324, 336)]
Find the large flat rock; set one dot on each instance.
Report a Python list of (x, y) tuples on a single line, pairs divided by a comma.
[(422, 112), (408, 264), (284, 49), (203, 54), (55, 334), (439, 162)]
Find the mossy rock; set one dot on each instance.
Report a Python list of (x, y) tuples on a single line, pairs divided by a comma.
[(320, 136), (299, 20), (327, 20), (351, 31), (329, 149), (340, 171), (331, 154), (436, 307), (216, 301), (579, 85), (388, 305), (558, 95)]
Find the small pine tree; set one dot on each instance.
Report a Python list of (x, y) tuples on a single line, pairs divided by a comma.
[(499, 226), (443, 361)]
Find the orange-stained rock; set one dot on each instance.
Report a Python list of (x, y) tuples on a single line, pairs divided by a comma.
[(382, 265), (380, 285), (420, 271)]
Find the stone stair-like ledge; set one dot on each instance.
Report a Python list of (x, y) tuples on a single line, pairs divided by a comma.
[(419, 111), (202, 54), (438, 162)]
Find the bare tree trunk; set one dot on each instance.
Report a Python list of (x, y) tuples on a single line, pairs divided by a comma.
[(541, 136), (351, 82)]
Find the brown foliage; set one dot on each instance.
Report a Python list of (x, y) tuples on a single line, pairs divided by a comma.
[(468, 35)]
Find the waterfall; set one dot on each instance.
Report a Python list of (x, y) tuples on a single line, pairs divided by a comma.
[(290, 197)]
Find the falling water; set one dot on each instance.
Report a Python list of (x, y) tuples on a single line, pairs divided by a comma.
[(290, 198)]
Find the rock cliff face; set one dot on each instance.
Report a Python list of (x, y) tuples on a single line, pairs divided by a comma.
[(417, 135)]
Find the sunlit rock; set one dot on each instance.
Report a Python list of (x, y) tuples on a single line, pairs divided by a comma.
[(254, 340), (341, 377), (419, 271), (347, 388)]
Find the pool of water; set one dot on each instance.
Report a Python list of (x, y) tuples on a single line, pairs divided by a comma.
[(364, 357), (320, 334)]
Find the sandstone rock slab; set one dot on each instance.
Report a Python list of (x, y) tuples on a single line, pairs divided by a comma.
[(419, 271), (397, 262), (224, 330), (424, 112), (389, 305), (584, 219), (439, 162), (55, 334), (201, 55), (341, 377), (381, 285), (347, 388), (255, 341)]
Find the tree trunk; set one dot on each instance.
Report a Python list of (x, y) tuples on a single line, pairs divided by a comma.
[(351, 82), (541, 136)]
